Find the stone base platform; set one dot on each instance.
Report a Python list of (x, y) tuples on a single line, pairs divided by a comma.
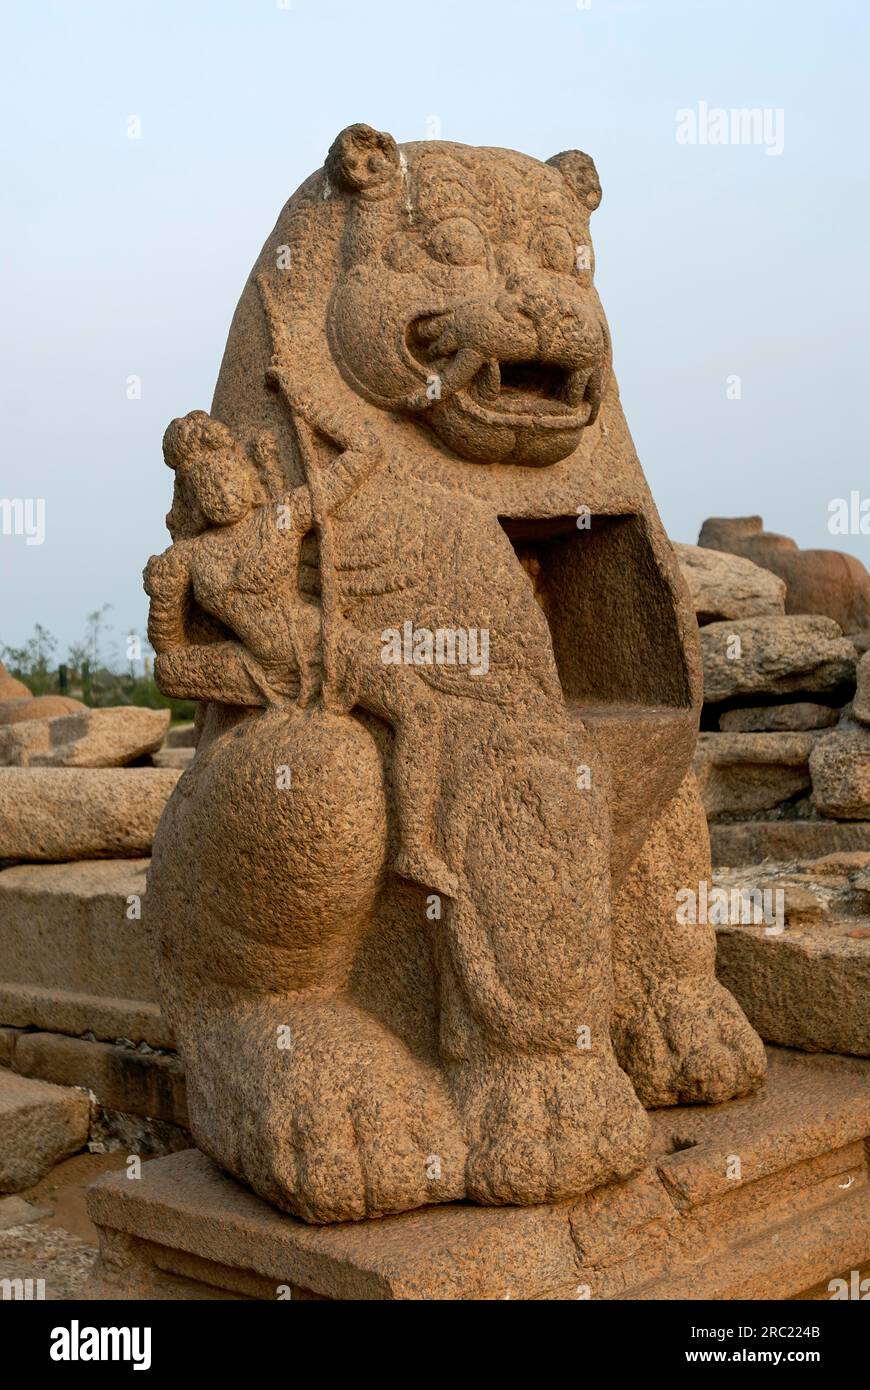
[(761, 1198)]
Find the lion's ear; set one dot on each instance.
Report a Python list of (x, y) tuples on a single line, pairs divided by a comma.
[(579, 172), (362, 160)]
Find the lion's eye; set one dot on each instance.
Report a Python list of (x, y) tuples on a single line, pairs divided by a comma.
[(559, 252), (458, 242)]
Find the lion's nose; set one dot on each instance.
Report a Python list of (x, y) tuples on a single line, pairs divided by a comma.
[(567, 333)]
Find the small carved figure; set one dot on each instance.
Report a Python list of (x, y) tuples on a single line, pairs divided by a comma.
[(236, 554)]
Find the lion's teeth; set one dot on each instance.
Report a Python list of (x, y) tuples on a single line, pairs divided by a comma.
[(490, 382), (575, 389), (593, 396)]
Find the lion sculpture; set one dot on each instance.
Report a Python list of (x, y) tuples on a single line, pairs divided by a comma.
[(415, 896)]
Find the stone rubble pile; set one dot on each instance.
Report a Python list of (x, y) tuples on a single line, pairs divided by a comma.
[(802, 975), (17, 705), (783, 762), (784, 753), (829, 582), (85, 1055)]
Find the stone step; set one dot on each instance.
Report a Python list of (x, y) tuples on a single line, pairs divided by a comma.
[(751, 841), (801, 977), (741, 774), (148, 1084), (51, 814), (74, 954), (788, 1256), (40, 1125), (61, 1011)]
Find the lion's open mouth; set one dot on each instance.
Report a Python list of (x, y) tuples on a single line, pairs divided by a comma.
[(555, 396), (524, 388)]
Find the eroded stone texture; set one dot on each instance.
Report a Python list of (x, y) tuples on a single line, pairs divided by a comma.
[(861, 705), (74, 955), (8, 1039), (121, 1078), (40, 1125), (452, 684), (94, 738), (52, 813), (727, 586), (691, 1225), (840, 770), (680, 1036), (803, 978), (775, 656), (758, 719), (20, 711), (741, 774), (748, 842)]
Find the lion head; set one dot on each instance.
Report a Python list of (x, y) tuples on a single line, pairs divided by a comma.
[(464, 296)]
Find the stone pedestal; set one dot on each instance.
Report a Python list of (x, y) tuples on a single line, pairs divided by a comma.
[(760, 1198)]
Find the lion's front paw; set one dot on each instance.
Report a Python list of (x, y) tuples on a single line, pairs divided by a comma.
[(374, 1152), (549, 1127), (326, 1114), (690, 1043)]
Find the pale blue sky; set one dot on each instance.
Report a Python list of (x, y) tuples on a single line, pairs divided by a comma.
[(125, 257)]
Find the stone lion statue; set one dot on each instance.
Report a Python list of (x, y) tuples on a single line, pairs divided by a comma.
[(416, 896)]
